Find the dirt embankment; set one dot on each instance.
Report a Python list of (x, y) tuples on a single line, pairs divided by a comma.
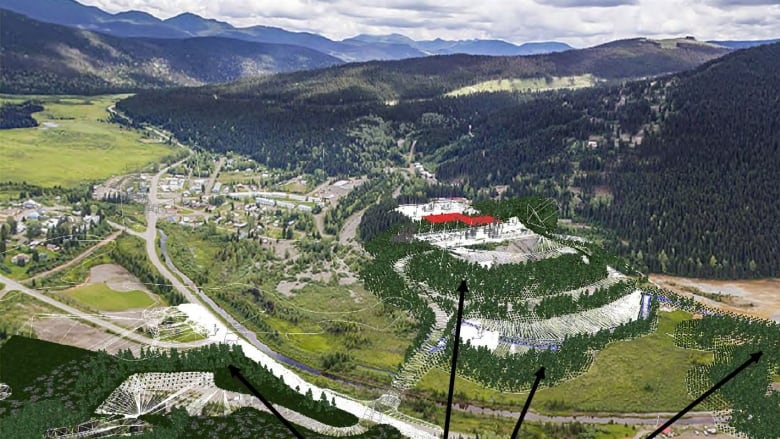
[(759, 298), (116, 277)]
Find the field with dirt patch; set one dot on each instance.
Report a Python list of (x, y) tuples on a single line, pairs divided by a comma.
[(112, 288), (760, 298)]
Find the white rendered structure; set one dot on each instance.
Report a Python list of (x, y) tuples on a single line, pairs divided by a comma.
[(492, 233), (437, 207), (146, 393)]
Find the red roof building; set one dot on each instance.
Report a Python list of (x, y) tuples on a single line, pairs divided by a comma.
[(459, 217)]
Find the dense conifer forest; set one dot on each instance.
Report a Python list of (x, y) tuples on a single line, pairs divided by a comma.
[(608, 155)]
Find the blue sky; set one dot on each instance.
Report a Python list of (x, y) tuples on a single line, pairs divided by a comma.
[(577, 22)]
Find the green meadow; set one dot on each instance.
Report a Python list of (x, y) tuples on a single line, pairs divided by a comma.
[(73, 143), (100, 296)]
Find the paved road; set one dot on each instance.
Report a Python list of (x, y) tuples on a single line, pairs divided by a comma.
[(121, 332), (150, 235), (77, 259), (213, 178)]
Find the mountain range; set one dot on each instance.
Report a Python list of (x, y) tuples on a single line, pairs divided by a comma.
[(46, 58), (188, 25), (434, 76)]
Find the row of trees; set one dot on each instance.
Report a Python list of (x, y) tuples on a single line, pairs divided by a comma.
[(372, 190), (129, 252), (19, 115), (505, 286), (379, 218), (562, 304)]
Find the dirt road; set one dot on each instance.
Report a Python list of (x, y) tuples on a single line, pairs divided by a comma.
[(121, 332), (77, 259)]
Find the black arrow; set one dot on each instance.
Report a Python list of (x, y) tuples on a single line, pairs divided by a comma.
[(539, 377), (236, 373), (753, 359), (462, 289)]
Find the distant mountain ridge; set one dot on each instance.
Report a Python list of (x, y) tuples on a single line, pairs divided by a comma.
[(38, 57), (187, 25), (423, 78), (287, 119), (734, 44), (468, 47)]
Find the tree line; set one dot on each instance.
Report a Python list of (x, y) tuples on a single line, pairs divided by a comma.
[(19, 115)]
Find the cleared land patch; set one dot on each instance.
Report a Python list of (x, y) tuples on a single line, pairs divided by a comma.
[(73, 144), (16, 308), (759, 298), (528, 84)]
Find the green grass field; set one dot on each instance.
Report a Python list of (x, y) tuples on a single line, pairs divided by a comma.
[(100, 296), (642, 375), (76, 147), (387, 339), (527, 85)]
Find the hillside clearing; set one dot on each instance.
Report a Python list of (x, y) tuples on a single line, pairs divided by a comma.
[(758, 298), (528, 84), (649, 366)]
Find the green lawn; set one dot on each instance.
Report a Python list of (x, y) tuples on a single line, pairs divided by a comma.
[(100, 296), (81, 147), (642, 375), (14, 271), (387, 342)]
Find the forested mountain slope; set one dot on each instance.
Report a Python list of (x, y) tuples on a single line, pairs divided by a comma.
[(682, 169), (40, 57), (433, 76), (701, 195), (344, 119)]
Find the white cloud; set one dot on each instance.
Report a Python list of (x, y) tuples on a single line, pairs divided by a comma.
[(577, 22)]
